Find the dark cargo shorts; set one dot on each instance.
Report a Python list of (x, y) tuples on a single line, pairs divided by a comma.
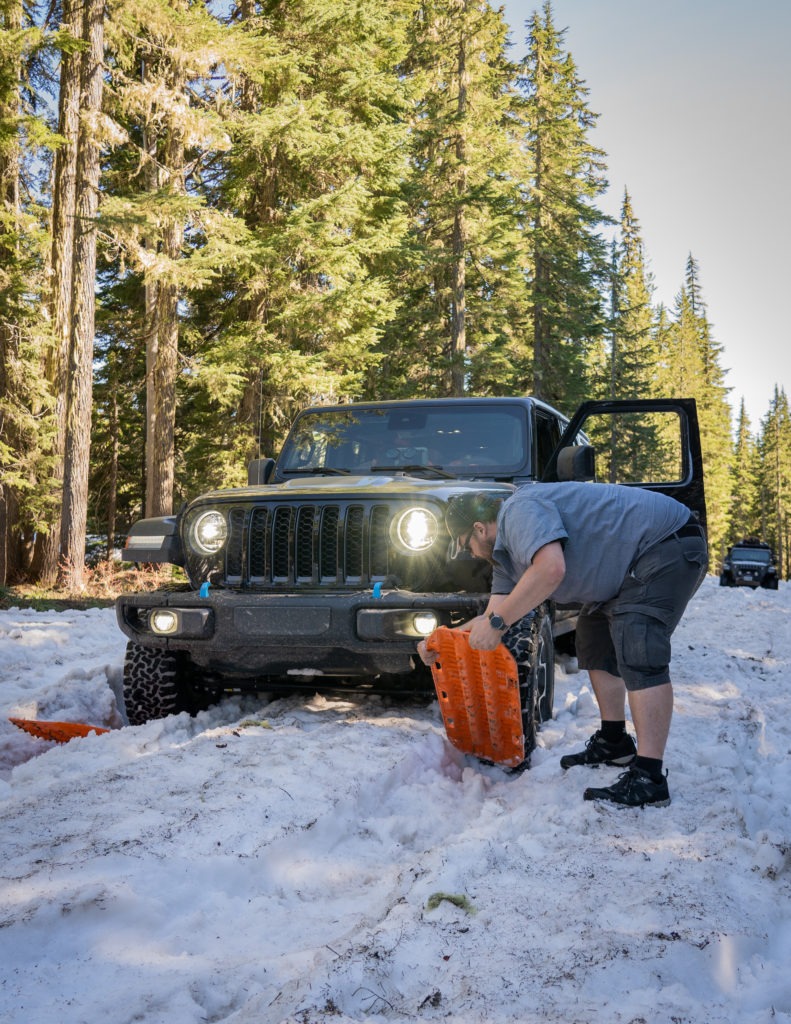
[(629, 636)]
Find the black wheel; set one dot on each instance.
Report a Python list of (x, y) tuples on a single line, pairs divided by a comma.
[(531, 643), (770, 584), (159, 683), (725, 581)]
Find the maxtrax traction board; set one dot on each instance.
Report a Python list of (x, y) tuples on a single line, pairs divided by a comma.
[(60, 732), (478, 693)]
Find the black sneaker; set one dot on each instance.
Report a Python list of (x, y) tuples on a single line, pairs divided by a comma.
[(599, 751), (635, 788)]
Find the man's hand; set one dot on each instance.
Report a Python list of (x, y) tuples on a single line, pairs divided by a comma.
[(429, 657), (483, 635), (426, 656)]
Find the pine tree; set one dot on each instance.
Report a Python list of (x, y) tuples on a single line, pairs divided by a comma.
[(10, 425), (632, 360), (774, 446), (162, 57), (567, 258), (79, 391), (633, 353), (24, 399), (312, 173), (59, 296), (663, 333), (694, 364), (165, 239), (463, 314), (745, 467), (118, 472)]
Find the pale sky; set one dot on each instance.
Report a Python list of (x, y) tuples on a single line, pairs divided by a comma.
[(694, 98)]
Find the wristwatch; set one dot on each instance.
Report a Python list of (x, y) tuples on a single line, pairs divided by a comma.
[(497, 622)]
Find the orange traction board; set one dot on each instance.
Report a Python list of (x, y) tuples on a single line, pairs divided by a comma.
[(60, 732), (478, 693)]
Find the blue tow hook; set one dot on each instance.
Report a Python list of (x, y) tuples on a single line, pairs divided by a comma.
[(204, 589)]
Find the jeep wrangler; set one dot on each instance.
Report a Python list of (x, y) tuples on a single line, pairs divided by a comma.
[(750, 563), (330, 566)]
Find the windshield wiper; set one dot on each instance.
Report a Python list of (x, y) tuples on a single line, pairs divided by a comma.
[(319, 471), (437, 472)]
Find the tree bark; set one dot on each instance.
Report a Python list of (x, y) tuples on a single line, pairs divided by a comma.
[(9, 332), (255, 440), (162, 352), (541, 354), (458, 310), (80, 384), (64, 200), (112, 484)]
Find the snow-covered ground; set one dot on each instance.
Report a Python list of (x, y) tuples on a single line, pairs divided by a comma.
[(276, 862)]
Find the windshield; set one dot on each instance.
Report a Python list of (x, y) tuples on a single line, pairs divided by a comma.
[(475, 440), (751, 555)]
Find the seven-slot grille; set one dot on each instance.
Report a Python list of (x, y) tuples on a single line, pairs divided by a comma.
[(343, 543)]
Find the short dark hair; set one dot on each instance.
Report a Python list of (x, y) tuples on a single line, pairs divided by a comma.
[(465, 509)]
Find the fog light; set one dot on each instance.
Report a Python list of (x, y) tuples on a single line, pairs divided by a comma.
[(425, 623), (164, 622)]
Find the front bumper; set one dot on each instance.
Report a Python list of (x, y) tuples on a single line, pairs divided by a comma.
[(750, 578), (249, 635)]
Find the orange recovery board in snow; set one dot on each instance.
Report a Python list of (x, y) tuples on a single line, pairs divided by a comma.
[(60, 732), (478, 693)]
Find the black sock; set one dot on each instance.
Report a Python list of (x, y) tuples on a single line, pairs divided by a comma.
[(650, 765), (612, 731)]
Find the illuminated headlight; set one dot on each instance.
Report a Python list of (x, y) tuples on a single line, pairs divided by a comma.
[(425, 623), (209, 533), (416, 529), (163, 622)]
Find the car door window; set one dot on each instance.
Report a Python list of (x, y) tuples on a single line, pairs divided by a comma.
[(548, 431)]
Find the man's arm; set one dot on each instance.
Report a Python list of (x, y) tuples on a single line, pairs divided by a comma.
[(537, 583)]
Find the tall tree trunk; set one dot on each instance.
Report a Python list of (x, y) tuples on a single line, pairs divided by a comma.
[(458, 313), (541, 347), (162, 353), (162, 364), (256, 438), (80, 385), (778, 482), (112, 484), (458, 309), (9, 333), (64, 200)]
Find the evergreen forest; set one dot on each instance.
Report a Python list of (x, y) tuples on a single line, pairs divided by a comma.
[(214, 214)]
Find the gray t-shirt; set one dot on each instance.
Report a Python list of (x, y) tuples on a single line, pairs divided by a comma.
[(603, 529)]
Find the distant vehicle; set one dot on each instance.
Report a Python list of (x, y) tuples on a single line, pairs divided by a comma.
[(750, 563)]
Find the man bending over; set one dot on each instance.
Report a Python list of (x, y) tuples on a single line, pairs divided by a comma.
[(632, 558)]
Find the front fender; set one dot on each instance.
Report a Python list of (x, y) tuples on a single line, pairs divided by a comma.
[(154, 541)]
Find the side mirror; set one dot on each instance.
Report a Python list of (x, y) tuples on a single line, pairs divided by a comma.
[(577, 463), (259, 472)]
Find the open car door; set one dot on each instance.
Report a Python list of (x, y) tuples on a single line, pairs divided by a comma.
[(652, 443)]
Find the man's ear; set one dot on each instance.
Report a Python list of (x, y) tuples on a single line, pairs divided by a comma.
[(488, 530)]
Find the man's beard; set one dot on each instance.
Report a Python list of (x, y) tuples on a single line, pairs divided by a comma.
[(488, 551)]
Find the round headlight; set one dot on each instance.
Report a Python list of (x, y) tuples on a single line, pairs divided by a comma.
[(209, 532), (416, 529)]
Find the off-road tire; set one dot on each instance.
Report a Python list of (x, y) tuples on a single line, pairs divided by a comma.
[(531, 643), (160, 683)]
